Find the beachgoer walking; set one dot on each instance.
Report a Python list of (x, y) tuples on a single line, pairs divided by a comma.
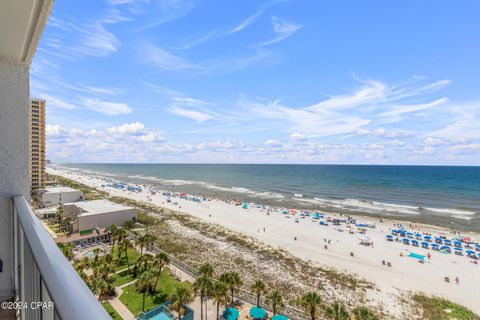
[(457, 281)]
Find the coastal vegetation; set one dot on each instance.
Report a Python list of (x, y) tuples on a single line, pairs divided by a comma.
[(286, 278), (435, 308)]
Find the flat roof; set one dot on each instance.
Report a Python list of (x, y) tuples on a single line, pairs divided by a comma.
[(98, 206), (60, 190)]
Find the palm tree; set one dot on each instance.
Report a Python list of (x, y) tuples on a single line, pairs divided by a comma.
[(96, 251), (232, 280), (119, 236), (59, 214), (124, 246), (310, 302), (141, 241), (203, 287), (337, 311), (275, 299), (181, 297), (112, 230), (67, 250), (143, 285), (83, 264), (143, 259), (150, 240), (364, 313), (220, 294), (99, 286), (259, 287), (206, 269), (159, 262)]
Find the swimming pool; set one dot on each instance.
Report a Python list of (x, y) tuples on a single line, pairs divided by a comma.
[(89, 254), (160, 316), (416, 256)]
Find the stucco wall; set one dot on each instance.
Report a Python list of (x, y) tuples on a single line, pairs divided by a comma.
[(54, 199), (105, 219), (13, 157)]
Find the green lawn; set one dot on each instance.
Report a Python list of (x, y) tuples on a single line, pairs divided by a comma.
[(111, 311), (122, 278), (165, 288), (435, 308), (132, 257)]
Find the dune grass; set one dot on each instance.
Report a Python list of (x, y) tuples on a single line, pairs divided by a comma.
[(435, 308)]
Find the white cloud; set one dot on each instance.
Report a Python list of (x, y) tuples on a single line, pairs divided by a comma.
[(52, 130), (433, 141), (191, 114), (127, 128), (106, 107), (297, 136), (398, 111), (283, 30), (272, 143)]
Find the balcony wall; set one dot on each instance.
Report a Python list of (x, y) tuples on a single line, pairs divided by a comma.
[(13, 157)]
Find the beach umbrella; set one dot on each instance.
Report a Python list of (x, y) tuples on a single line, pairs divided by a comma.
[(414, 241), (389, 236), (457, 244), (435, 245), (231, 314), (279, 317), (427, 237), (425, 244), (458, 249), (470, 252), (445, 248), (257, 313)]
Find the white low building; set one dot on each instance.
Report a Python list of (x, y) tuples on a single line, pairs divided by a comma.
[(97, 214), (59, 195)]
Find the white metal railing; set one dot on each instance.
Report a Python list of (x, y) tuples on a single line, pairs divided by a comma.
[(44, 275)]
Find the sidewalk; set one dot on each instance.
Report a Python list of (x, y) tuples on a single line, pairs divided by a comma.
[(120, 307)]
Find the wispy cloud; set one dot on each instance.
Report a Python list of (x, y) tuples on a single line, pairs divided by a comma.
[(191, 114), (282, 29), (107, 107), (254, 17), (165, 60), (56, 102)]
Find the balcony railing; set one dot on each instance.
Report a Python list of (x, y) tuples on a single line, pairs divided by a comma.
[(44, 275)]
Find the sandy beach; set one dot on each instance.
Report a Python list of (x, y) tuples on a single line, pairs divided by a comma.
[(307, 240)]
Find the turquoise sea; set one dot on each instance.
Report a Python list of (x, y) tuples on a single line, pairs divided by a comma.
[(444, 195)]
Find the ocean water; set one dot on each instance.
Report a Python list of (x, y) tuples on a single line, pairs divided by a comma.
[(448, 196)]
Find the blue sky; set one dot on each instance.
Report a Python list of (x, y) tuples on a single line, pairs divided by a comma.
[(281, 81)]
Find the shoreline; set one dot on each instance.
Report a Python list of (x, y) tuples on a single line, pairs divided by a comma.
[(405, 275), (458, 217)]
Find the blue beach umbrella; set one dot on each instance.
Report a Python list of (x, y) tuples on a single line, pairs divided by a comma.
[(279, 317), (457, 244), (445, 248), (231, 314), (425, 244), (389, 236), (458, 249), (257, 313), (470, 252)]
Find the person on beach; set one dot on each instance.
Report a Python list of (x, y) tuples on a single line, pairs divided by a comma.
[(457, 281)]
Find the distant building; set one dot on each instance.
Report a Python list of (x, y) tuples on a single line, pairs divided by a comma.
[(36, 143), (89, 216), (55, 196)]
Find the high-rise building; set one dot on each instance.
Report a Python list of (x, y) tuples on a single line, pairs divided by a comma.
[(36, 141)]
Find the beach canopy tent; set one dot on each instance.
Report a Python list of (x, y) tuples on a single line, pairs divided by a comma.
[(279, 317), (231, 314), (257, 313)]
